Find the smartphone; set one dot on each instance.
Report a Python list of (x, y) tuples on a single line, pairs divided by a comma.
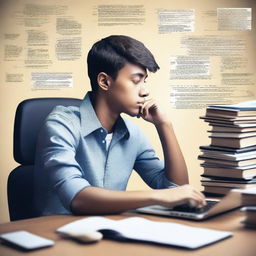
[(26, 240)]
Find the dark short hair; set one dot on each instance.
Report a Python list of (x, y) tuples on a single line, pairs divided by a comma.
[(110, 54)]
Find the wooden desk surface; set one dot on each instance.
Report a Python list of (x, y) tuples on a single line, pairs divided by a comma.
[(243, 243)]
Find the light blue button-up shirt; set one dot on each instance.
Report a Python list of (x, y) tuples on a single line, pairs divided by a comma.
[(72, 155)]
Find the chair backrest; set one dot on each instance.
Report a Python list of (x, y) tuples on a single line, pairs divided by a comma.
[(30, 115)]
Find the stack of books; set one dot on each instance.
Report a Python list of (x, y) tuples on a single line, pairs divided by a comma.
[(230, 159), (249, 201)]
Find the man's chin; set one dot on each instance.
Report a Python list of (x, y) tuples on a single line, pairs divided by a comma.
[(132, 114)]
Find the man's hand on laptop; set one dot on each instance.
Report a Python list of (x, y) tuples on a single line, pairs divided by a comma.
[(185, 194)]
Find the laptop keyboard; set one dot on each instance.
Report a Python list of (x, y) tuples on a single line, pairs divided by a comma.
[(187, 208)]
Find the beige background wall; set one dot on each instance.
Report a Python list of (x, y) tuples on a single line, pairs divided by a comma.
[(190, 130)]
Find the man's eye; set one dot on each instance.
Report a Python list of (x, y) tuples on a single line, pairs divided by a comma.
[(136, 81)]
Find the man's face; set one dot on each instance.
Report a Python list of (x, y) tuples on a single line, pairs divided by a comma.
[(127, 92)]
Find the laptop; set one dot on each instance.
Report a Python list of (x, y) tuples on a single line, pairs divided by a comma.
[(213, 207)]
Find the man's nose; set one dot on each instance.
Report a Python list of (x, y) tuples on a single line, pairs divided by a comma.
[(143, 91)]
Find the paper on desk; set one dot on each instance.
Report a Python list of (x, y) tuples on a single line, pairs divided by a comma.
[(151, 231)]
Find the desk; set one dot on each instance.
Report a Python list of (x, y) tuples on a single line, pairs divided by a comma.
[(243, 243)]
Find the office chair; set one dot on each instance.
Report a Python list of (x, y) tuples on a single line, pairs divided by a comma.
[(29, 117)]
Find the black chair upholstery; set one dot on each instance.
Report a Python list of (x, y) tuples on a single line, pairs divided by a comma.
[(30, 115)]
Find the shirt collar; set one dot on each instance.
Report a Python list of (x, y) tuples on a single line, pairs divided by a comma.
[(91, 123)]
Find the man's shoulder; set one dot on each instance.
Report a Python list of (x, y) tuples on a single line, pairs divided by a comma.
[(65, 114), (63, 122), (132, 127)]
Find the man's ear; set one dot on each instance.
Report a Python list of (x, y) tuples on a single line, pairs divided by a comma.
[(103, 81)]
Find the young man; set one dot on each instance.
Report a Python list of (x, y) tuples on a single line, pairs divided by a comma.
[(85, 155)]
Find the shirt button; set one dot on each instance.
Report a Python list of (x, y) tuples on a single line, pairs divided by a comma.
[(101, 130), (103, 141)]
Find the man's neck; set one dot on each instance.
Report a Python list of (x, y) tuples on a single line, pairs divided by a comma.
[(106, 117)]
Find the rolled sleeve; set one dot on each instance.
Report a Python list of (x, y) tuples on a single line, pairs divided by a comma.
[(69, 188), (167, 184)]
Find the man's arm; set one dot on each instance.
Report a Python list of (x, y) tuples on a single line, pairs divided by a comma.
[(94, 200), (175, 166)]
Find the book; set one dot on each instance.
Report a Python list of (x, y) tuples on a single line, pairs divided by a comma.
[(228, 180), (234, 121), (225, 162), (249, 209), (241, 106), (219, 114), (248, 196), (210, 111), (232, 134), (220, 128), (250, 216), (228, 185), (216, 190), (249, 225), (230, 172), (233, 142), (144, 230), (239, 125), (227, 150), (228, 156)]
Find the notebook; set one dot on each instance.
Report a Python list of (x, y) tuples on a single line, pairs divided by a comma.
[(144, 230), (229, 202)]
